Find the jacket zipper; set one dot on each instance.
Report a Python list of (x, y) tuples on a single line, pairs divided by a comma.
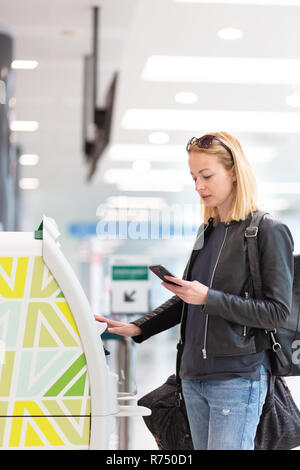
[(211, 281), (245, 327), (188, 267)]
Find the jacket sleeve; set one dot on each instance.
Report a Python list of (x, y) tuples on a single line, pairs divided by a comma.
[(160, 319), (276, 245)]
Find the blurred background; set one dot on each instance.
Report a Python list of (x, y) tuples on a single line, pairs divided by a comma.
[(97, 102)]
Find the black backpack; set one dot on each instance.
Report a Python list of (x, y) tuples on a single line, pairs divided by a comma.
[(285, 341)]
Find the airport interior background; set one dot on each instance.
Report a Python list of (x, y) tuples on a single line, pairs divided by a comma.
[(97, 102)]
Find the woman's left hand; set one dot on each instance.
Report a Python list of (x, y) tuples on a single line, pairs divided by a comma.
[(191, 292)]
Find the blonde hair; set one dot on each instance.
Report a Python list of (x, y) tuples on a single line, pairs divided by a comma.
[(245, 193)]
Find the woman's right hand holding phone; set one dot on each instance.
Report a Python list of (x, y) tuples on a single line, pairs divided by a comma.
[(120, 328)]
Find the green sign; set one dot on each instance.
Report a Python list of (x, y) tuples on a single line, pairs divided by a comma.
[(130, 273)]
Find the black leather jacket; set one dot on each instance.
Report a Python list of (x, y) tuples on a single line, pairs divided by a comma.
[(235, 321)]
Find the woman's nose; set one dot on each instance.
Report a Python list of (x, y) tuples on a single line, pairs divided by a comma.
[(199, 186)]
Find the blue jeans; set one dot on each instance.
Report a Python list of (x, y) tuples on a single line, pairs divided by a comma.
[(224, 414)]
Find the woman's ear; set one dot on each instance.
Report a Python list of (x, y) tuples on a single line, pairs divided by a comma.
[(233, 173)]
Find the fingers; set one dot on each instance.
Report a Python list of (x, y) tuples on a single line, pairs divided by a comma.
[(108, 321), (167, 285), (117, 327), (181, 282), (171, 287), (112, 330), (117, 331), (100, 318)]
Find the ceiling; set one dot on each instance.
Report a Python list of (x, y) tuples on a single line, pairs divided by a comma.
[(59, 33)]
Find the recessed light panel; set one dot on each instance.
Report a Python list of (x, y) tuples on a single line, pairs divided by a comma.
[(197, 69), (200, 121), (24, 64), (25, 126), (29, 159), (186, 97), (29, 183), (158, 138), (230, 34)]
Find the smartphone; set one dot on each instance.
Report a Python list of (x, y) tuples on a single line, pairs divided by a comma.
[(161, 271)]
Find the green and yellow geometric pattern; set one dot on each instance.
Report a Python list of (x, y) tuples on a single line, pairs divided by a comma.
[(44, 387)]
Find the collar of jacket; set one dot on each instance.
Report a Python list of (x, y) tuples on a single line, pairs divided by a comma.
[(211, 220), (232, 222)]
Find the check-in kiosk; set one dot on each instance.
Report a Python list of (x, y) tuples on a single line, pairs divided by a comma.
[(56, 389)]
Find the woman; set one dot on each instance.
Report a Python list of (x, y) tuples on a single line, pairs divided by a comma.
[(224, 364)]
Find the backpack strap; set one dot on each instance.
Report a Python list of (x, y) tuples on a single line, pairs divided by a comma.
[(253, 255)]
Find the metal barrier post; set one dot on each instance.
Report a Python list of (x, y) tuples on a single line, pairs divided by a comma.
[(125, 368)]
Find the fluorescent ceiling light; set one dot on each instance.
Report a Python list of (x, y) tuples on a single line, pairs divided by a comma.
[(281, 188), (245, 2), (26, 126), (165, 187), (141, 166), (24, 64), (260, 154), (157, 153), (195, 121), (158, 138), (29, 159), (230, 34), (186, 97), (154, 180), (125, 202), (29, 183), (162, 176), (234, 70), (275, 204)]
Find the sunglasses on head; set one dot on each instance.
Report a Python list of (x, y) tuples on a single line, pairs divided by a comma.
[(205, 142)]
